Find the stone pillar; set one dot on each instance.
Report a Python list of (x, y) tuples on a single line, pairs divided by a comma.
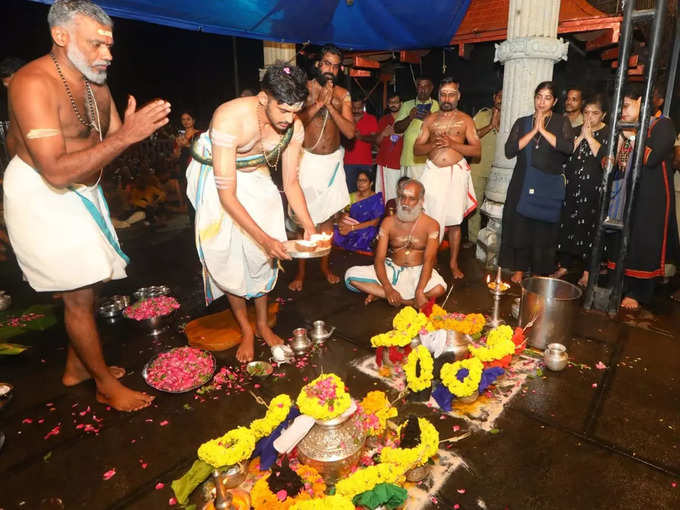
[(277, 51), (529, 53)]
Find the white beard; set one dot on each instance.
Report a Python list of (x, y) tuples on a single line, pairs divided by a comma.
[(80, 62), (409, 216)]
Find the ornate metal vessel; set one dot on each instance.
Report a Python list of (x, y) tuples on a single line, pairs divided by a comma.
[(333, 447)]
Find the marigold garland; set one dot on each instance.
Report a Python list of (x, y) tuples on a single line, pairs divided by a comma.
[(324, 398), (409, 321), (233, 447), (409, 458), (367, 478), (419, 355), (376, 410), (498, 345), (278, 410), (392, 338), (471, 324), (327, 503), (470, 384), (262, 498)]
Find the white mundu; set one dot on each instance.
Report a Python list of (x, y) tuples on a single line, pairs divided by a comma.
[(449, 193), (232, 261), (63, 238), (322, 179)]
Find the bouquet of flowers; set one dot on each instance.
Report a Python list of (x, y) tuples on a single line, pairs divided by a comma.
[(324, 398)]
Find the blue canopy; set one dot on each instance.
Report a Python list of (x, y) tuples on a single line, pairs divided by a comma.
[(350, 24)]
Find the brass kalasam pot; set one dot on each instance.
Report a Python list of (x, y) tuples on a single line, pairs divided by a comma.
[(334, 447)]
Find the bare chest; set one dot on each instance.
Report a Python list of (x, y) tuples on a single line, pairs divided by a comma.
[(84, 117), (451, 125)]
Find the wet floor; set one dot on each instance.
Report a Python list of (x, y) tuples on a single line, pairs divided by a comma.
[(582, 438)]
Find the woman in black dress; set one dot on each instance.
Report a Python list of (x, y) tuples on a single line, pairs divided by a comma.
[(581, 210), (541, 141)]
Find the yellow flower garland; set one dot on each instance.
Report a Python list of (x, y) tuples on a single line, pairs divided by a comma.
[(367, 478), (498, 345), (471, 324), (278, 410), (409, 458), (327, 503), (235, 446), (419, 355), (392, 338), (262, 498), (308, 403), (409, 321), (468, 386), (376, 403)]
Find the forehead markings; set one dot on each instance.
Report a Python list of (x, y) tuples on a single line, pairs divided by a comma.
[(105, 33)]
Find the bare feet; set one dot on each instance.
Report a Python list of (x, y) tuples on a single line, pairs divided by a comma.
[(295, 285), (332, 278), (457, 273), (560, 272), (369, 299), (517, 277), (74, 375), (266, 333), (583, 281), (122, 398), (630, 304), (246, 350)]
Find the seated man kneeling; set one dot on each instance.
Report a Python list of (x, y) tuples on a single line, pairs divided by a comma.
[(408, 276)]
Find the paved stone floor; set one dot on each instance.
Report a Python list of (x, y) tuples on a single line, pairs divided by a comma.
[(581, 438)]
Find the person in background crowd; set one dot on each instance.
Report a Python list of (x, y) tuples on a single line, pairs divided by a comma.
[(356, 230), (448, 137), (488, 122), (358, 154), (573, 106), (653, 229), (581, 211), (389, 153), (327, 114), (541, 142), (9, 66), (408, 122)]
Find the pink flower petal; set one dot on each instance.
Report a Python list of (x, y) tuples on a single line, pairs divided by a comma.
[(172, 501), (282, 495), (159, 486), (456, 428), (109, 474), (460, 491), (600, 366), (594, 385), (164, 423)]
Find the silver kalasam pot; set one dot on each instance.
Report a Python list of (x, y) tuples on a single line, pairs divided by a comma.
[(553, 303)]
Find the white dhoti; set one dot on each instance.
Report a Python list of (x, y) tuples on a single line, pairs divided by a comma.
[(63, 238), (449, 193), (386, 181), (322, 179), (403, 279), (233, 261), (414, 171)]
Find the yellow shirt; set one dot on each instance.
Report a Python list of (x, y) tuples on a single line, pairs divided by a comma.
[(482, 168), (412, 132)]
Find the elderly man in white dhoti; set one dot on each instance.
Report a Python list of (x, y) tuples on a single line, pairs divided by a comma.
[(447, 137), (239, 214), (65, 129)]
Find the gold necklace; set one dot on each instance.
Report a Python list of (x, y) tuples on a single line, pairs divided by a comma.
[(264, 152)]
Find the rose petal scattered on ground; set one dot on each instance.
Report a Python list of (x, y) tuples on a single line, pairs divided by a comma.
[(460, 491), (26, 420), (109, 474), (456, 428), (172, 501), (54, 432), (164, 423), (159, 486), (594, 385)]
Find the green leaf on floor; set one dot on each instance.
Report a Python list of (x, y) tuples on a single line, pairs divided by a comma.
[(8, 349)]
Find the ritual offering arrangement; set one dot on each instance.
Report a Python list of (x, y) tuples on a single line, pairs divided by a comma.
[(179, 370), (259, 369), (322, 240), (324, 463), (303, 249)]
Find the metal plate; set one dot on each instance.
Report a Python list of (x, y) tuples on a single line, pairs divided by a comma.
[(206, 380), (319, 252)]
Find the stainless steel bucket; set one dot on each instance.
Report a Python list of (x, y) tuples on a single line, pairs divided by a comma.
[(553, 303)]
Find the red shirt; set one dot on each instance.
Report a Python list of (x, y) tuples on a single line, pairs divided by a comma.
[(389, 154), (359, 152)]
